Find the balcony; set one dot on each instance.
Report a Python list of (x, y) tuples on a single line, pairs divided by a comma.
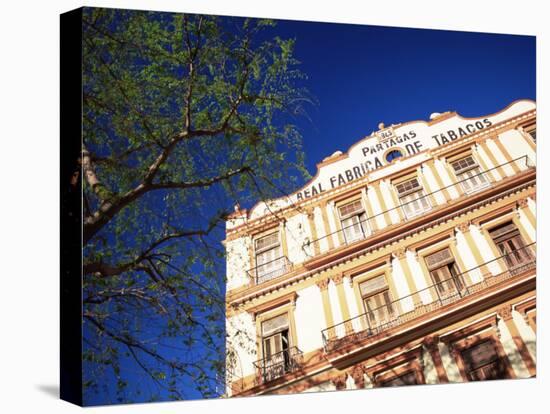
[(409, 308), (269, 270), (410, 210), (278, 365)]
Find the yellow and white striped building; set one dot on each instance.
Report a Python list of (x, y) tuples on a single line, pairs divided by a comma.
[(408, 259)]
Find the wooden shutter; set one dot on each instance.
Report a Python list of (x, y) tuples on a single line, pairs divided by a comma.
[(377, 300), (443, 272), (373, 285), (438, 259), (511, 245)]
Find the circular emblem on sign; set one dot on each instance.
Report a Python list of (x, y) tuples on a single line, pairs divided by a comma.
[(393, 154)]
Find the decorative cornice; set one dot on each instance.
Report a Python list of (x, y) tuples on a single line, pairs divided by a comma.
[(437, 152), (265, 306)]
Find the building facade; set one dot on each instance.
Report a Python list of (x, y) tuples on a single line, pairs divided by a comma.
[(408, 259)]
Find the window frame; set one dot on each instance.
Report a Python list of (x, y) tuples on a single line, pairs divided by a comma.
[(469, 336), (274, 333), (364, 225), (256, 252), (529, 130), (395, 366), (453, 262), (516, 233), (528, 310), (266, 313), (392, 314), (460, 174), (495, 359), (362, 274), (437, 242), (418, 189)]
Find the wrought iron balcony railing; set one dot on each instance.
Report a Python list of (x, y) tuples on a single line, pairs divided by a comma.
[(474, 182), (269, 270), (279, 364), (427, 300)]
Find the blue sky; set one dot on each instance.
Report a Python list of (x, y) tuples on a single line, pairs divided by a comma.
[(363, 75)]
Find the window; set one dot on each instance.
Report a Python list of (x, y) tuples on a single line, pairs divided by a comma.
[(408, 378), (276, 347), (444, 273), (269, 261), (510, 243), (411, 196), (482, 362), (533, 133), (469, 174), (353, 221), (393, 155), (377, 301)]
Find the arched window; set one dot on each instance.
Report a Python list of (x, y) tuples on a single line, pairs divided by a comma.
[(393, 155)]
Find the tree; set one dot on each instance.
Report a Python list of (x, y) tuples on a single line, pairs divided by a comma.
[(184, 116)]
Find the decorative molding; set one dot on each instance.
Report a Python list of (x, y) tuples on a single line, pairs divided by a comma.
[(338, 278), (358, 375), (505, 312), (464, 227), (262, 307), (400, 253), (525, 307), (439, 152), (323, 284), (430, 342), (489, 321), (321, 263), (523, 203), (340, 381)]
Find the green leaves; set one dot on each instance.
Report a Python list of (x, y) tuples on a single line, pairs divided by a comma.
[(184, 101)]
